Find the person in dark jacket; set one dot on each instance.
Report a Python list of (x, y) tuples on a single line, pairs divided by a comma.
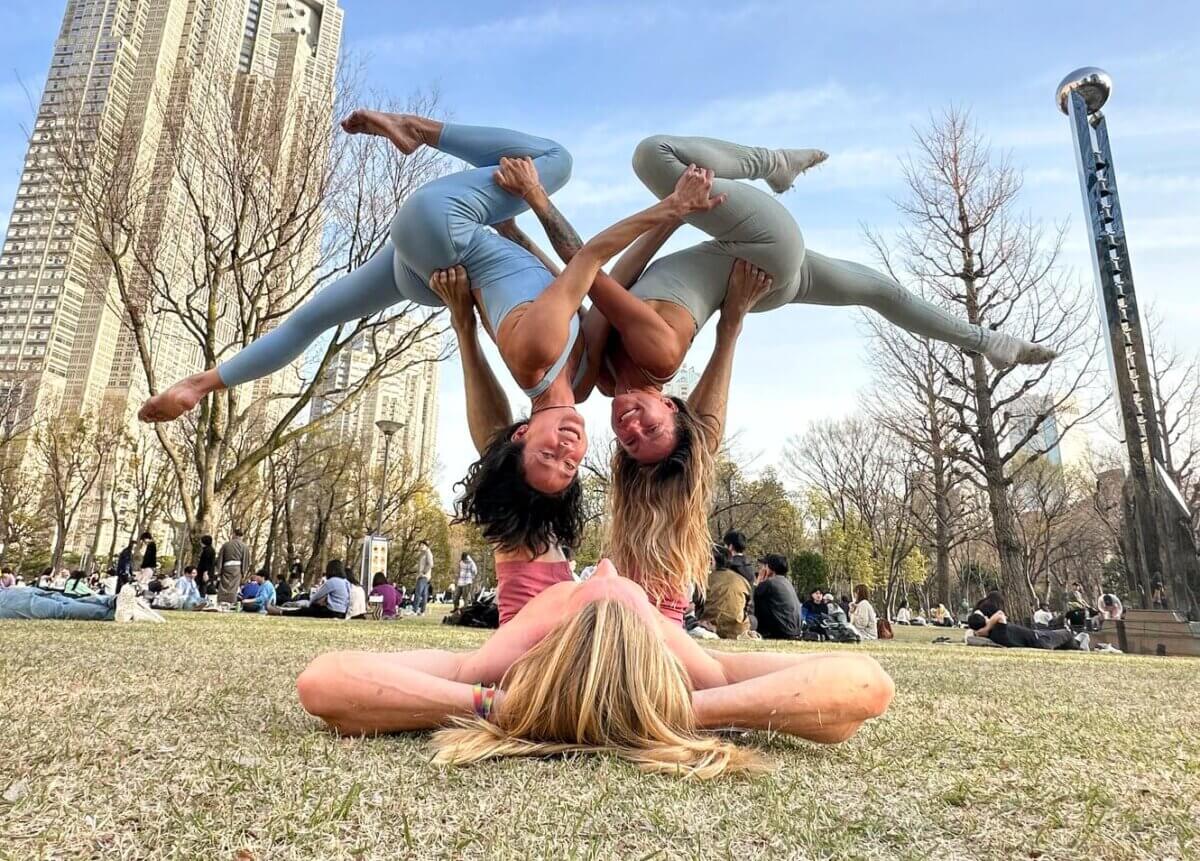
[(125, 566), (206, 567), (149, 556), (775, 600)]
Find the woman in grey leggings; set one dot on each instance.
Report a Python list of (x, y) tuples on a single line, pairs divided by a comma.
[(659, 315)]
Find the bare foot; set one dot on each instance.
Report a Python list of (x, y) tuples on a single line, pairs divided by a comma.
[(792, 163), (401, 129), (1004, 351), (181, 397)]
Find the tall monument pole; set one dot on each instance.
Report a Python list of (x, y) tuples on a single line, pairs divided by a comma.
[(1159, 545)]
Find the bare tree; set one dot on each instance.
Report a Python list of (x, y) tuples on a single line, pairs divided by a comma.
[(74, 452), (248, 209), (908, 398), (966, 244), (864, 475)]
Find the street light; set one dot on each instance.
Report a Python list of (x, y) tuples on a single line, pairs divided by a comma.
[(388, 428)]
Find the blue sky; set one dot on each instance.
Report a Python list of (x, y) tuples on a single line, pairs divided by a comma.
[(850, 78)]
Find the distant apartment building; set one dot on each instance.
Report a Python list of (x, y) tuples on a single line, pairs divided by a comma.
[(408, 396), (682, 383), (1059, 440)]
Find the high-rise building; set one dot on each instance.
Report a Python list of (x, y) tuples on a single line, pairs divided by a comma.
[(119, 68), (1059, 439), (124, 98), (408, 396)]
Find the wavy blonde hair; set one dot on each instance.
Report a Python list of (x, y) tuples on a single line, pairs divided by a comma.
[(600, 682), (657, 526)]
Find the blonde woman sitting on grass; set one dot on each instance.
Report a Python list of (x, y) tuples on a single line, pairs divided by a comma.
[(594, 667)]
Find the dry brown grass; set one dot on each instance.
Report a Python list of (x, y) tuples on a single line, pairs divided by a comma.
[(185, 740)]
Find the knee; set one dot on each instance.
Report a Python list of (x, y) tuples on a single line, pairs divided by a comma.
[(555, 170), (648, 157)]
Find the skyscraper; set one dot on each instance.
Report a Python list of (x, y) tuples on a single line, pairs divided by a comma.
[(140, 89), (118, 70)]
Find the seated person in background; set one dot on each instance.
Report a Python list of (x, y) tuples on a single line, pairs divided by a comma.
[(775, 600), (834, 610), (188, 591), (942, 617), (331, 600), (1079, 610), (264, 595), (903, 614), (814, 607), (391, 598), (283, 591), (77, 585), (249, 590), (358, 598), (7, 580), (862, 614), (997, 629), (726, 605), (1110, 606), (1042, 617)]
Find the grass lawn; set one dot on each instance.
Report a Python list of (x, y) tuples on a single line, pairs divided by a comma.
[(185, 740)]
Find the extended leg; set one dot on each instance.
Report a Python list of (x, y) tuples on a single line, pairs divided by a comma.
[(367, 290), (829, 281)]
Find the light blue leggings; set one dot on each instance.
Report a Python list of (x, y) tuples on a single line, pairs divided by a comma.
[(441, 224)]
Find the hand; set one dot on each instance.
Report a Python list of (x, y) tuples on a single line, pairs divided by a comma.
[(691, 193), (747, 285), (517, 176), (453, 287)]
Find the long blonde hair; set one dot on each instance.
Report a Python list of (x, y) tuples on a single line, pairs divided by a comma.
[(600, 682), (657, 526)]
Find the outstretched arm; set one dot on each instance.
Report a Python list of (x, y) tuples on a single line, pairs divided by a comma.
[(635, 260), (488, 410), (710, 400), (365, 693), (519, 177), (823, 698), (537, 335)]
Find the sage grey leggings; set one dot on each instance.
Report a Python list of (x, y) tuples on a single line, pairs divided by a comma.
[(754, 226)]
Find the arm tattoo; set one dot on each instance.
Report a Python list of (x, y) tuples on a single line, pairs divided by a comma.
[(562, 235)]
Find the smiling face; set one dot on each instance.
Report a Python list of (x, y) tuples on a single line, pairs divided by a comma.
[(555, 444), (644, 425)]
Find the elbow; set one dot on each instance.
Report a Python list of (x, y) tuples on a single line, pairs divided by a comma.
[(315, 687), (878, 689)]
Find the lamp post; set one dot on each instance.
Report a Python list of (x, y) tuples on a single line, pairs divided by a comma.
[(388, 428)]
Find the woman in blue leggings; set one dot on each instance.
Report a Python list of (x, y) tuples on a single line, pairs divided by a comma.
[(441, 232)]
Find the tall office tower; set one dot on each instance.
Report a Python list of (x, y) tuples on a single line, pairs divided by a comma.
[(408, 396), (1059, 439), (120, 71), (137, 94)]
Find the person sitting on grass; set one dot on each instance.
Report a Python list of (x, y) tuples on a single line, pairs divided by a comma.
[(1042, 617), (776, 601), (727, 601), (594, 667), (391, 598), (358, 598), (903, 614), (862, 614), (330, 601), (264, 594), (188, 590), (815, 607), (248, 591), (1000, 631), (77, 585)]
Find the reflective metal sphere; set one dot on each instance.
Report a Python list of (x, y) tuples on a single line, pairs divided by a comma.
[(1093, 84)]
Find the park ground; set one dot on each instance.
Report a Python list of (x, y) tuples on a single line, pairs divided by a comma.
[(185, 740)]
